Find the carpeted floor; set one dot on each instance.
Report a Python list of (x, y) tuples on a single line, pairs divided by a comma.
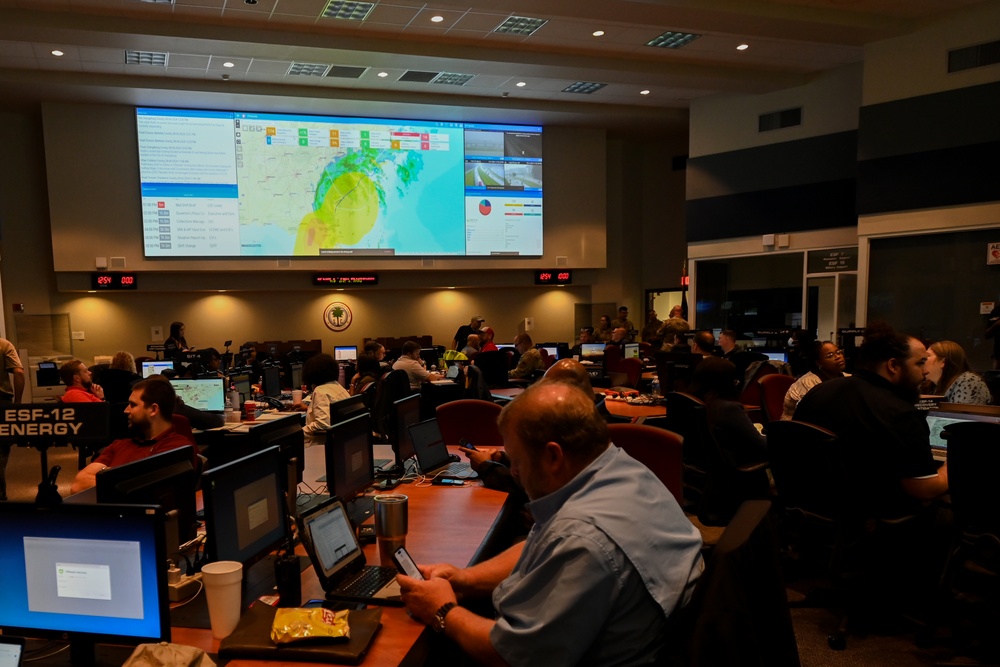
[(812, 625)]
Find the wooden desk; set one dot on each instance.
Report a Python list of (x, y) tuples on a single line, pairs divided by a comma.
[(634, 412), (446, 525)]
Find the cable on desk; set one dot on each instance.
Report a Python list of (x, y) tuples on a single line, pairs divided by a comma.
[(36, 658)]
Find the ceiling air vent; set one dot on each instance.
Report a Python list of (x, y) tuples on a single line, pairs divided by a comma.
[(777, 120), (307, 69), (344, 72), (971, 57), (415, 76), (146, 58)]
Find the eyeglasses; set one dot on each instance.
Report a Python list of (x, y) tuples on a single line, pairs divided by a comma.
[(835, 353)]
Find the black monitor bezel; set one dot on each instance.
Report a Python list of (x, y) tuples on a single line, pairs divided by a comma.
[(336, 439), (266, 461), (105, 512), (402, 429)]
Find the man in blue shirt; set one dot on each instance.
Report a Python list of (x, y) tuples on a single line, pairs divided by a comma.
[(610, 557)]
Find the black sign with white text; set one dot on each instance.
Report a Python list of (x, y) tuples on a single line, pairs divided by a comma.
[(58, 423)]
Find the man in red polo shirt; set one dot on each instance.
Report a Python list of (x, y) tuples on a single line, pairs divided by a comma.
[(150, 411), (80, 387)]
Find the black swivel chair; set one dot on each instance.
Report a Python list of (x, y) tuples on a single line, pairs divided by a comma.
[(494, 366), (738, 615)]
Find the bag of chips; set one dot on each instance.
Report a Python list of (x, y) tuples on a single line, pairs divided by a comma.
[(293, 624)]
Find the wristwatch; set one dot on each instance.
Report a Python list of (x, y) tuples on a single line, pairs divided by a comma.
[(438, 623)]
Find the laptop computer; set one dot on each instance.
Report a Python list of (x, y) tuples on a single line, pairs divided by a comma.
[(433, 456), (938, 420), (11, 651), (339, 562)]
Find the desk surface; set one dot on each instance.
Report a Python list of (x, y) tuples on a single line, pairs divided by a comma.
[(446, 525)]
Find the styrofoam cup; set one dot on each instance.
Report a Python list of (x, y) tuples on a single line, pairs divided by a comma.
[(223, 592)]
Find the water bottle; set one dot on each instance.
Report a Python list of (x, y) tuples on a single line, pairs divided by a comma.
[(230, 408), (656, 386)]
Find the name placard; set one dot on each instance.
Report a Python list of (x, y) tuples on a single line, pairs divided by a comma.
[(54, 423)]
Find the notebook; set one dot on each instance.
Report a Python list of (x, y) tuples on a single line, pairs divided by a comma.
[(11, 651), (432, 454), (339, 562)]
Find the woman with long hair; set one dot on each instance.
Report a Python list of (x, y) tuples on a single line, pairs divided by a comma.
[(948, 369)]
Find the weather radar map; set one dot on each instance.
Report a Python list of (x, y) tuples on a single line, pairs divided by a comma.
[(255, 184)]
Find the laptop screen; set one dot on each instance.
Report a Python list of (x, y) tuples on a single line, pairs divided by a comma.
[(631, 351), (206, 394), (11, 651), (155, 367), (591, 350), (329, 531), (345, 352), (938, 420), (429, 445)]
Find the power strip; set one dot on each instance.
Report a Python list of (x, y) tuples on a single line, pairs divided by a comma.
[(180, 587)]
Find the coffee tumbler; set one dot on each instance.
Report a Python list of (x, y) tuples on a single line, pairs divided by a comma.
[(390, 525)]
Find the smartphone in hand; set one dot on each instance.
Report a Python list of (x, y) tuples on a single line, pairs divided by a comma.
[(468, 445), (405, 563)]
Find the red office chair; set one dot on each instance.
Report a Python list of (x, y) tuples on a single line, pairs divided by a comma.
[(470, 419), (658, 449), (773, 388)]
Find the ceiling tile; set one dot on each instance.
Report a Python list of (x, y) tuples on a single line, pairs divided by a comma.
[(269, 67)]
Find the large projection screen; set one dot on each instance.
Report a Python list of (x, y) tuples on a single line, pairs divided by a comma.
[(250, 184)]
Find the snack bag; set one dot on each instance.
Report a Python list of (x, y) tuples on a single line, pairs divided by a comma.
[(294, 624)]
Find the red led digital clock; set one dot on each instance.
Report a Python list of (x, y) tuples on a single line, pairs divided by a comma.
[(105, 282)]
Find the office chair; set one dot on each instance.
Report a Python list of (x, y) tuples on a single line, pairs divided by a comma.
[(738, 615), (472, 420), (392, 386), (970, 582), (828, 512), (494, 366), (773, 388), (686, 417), (659, 450)]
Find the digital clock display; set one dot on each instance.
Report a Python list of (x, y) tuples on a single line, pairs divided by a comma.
[(563, 277), (113, 281)]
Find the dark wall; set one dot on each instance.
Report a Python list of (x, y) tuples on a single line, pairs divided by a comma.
[(800, 185), (930, 151)]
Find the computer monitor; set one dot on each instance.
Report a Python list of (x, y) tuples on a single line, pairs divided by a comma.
[(431, 356), (630, 351), (675, 370), (244, 507), (345, 352), (91, 573), (272, 381), (950, 413), (155, 367), (346, 408), (205, 394), (349, 461), (295, 373), (505, 346), (407, 414), (592, 351), (551, 350), (775, 355), (242, 382), (168, 479)]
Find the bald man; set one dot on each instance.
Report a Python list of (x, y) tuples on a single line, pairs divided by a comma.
[(586, 586)]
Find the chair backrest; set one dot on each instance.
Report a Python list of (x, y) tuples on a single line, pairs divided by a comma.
[(475, 384), (182, 425), (658, 449), (739, 613), (773, 388), (470, 419), (392, 386), (973, 459), (633, 370), (750, 393), (494, 367), (810, 470), (612, 358)]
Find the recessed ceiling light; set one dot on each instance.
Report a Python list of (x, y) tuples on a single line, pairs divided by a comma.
[(672, 40), (520, 25), (437, 19), (598, 33), (644, 92), (742, 47), (222, 291), (584, 87), (228, 64), (250, 2), (521, 84), (57, 53), (347, 10), (382, 75)]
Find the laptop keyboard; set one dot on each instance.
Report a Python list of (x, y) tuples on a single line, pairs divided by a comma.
[(367, 582), (460, 469), (378, 464)]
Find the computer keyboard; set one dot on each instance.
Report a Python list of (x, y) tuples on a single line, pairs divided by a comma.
[(368, 581), (457, 470)]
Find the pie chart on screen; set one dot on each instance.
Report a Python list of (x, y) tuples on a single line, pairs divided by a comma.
[(485, 206)]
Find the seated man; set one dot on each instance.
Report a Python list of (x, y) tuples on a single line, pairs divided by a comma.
[(411, 363), (150, 410), (619, 336), (471, 346), (586, 336), (873, 412), (486, 343), (80, 387), (610, 558), (531, 358), (703, 343)]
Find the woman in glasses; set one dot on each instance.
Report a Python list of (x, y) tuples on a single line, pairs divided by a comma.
[(827, 363), (948, 370)]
